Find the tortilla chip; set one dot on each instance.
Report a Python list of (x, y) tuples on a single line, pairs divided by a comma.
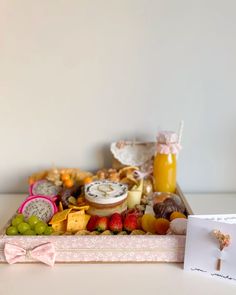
[(59, 226), (60, 216), (84, 208), (60, 207), (79, 212), (77, 221)]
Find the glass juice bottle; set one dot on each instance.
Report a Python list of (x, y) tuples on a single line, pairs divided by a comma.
[(165, 162)]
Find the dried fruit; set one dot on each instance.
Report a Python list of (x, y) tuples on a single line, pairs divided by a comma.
[(165, 208), (178, 226), (161, 226), (176, 214), (148, 221), (65, 195)]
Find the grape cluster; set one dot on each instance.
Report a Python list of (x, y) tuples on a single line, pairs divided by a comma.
[(30, 227)]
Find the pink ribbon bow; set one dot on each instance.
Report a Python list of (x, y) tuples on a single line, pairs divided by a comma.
[(44, 253)]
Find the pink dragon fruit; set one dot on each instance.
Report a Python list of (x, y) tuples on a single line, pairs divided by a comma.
[(44, 188), (42, 207)]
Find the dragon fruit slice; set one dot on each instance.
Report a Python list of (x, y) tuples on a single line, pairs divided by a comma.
[(44, 188), (42, 207)]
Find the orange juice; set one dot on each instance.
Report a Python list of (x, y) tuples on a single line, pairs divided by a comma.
[(165, 162), (164, 172)]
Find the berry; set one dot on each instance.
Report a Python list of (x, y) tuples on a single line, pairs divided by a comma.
[(102, 224), (131, 222), (91, 226), (115, 223)]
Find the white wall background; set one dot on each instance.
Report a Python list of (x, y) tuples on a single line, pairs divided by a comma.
[(78, 74)]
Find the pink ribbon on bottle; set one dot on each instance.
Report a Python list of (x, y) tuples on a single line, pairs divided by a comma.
[(141, 175), (44, 253), (169, 148)]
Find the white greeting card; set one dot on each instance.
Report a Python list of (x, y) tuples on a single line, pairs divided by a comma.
[(211, 246)]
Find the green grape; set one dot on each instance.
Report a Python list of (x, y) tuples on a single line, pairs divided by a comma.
[(40, 227), (48, 231), (33, 220), (12, 231), (22, 227), (29, 232), (20, 216), (16, 221)]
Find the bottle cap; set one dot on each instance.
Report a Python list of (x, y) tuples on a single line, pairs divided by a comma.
[(167, 137)]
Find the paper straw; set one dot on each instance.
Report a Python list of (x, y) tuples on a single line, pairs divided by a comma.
[(180, 133)]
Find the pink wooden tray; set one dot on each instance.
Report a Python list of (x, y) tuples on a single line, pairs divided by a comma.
[(130, 248)]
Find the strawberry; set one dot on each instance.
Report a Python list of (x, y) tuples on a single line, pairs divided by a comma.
[(102, 224), (91, 226), (131, 222), (115, 223)]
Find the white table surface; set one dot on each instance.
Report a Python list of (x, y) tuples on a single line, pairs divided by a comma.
[(159, 278)]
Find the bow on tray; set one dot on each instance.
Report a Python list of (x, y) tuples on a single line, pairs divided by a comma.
[(44, 253)]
